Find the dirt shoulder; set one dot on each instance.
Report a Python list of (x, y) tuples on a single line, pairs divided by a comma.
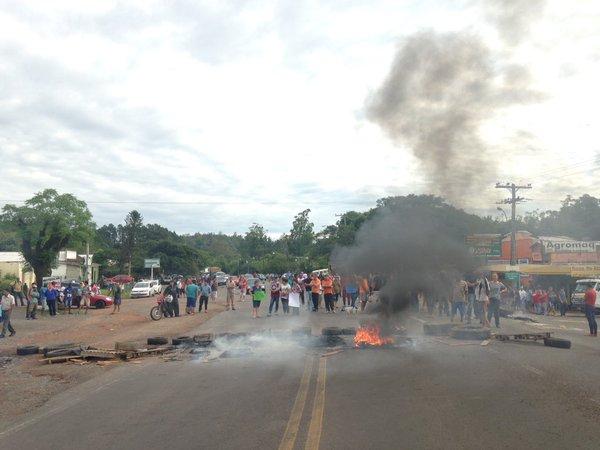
[(27, 383)]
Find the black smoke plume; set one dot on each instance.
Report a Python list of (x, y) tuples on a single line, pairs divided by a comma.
[(440, 90), (416, 247)]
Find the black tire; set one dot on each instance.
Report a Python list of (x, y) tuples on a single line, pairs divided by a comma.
[(331, 331), (100, 304), (156, 313), (557, 342), (437, 329), (350, 331), (471, 334), (51, 348), (157, 340), (63, 352), (203, 337), (181, 340), (28, 350), (302, 331)]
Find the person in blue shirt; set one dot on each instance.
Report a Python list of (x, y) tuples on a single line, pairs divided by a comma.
[(69, 293), (191, 292), (51, 297), (205, 291)]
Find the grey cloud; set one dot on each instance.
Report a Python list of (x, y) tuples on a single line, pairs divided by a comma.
[(513, 18)]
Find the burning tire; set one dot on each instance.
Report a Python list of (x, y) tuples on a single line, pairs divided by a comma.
[(27, 350), (331, 331), (157, 340), (437, 329), (475, 334), (557, 342)]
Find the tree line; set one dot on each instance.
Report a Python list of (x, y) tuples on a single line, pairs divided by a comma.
[(49, 222)]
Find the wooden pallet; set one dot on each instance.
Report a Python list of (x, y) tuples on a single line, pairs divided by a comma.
[(61, 359), (102, 353)]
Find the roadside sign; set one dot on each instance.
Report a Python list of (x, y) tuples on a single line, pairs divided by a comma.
[(151, 263), (488, 245)]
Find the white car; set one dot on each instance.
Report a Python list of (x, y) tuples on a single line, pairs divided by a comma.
[(142, 289), (156, 286)]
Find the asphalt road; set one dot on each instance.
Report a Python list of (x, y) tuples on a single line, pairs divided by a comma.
[(431, 393)]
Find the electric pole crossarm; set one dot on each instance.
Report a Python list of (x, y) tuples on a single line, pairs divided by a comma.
[(512, 201)]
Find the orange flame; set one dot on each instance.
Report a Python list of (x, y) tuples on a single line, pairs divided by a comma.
[(370, 335)]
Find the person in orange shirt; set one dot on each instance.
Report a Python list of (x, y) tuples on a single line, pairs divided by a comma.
[(315, 291), (327, 286), (363, 290)]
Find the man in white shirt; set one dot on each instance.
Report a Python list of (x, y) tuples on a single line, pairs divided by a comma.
[(7, 304)]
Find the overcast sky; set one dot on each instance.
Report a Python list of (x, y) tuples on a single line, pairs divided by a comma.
[(251, 111)]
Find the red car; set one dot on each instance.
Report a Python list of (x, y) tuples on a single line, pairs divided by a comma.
[(100, 301)]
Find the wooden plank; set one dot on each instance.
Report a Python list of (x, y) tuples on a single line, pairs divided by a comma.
[(61, 359)]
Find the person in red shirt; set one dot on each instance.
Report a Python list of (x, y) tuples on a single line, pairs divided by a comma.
[(590, 309)]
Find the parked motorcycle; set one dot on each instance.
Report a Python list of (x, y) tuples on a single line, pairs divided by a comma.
[(162, 307)]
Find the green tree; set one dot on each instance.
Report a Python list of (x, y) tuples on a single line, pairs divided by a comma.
[(256, 243), (47, 223), (129, 236), (301, 235)]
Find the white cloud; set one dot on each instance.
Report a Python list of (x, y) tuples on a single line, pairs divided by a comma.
[(257, 108)]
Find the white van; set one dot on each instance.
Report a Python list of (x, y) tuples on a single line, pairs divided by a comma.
[(577, 297)]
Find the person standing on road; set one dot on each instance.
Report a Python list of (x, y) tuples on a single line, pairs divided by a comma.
[(294, 297), (86, 294), (205, 291), (522, 299), (352, 291), (590, 309), (175, 295), (7, 305), (214, 290), (51, 298), (117, 298), (471, 302), (33, 297), (17, 288), (230, 286), (364, 292), (562, 302), (459, 297), (191, 294), (315, 291), (482, 292), (69, 293), (275, 293), (327, 286), (337, 290), (284, 295), (496, 291), (243, 284), (258, 295)]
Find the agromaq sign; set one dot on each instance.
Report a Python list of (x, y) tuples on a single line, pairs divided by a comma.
[(570, 246)]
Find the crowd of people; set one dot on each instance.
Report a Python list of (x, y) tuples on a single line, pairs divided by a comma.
[(290, 291), (44, 299), (477, 297)]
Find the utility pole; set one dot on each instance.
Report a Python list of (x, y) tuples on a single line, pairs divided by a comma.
[(512, 201)]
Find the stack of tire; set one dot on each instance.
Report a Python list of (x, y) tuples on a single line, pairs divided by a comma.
[(331, 336)]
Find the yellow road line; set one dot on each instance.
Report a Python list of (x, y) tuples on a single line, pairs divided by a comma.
[(316, 422), (291, 431)]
